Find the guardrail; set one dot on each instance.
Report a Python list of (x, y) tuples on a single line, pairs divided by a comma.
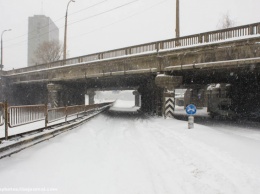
[(55, 114), (208, 37), (14, 116), (75, 110)]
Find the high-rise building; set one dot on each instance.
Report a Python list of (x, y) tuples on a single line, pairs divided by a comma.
[(40, 29)]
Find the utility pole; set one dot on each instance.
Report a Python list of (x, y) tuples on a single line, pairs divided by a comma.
[(177, 30), (1, 65), (65, 32)]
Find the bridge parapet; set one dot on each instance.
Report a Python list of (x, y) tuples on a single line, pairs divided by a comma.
[(154, 47)]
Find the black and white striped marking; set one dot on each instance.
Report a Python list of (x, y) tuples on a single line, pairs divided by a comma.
[(169, 106)]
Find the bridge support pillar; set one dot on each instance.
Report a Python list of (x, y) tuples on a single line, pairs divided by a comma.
[(2, 88), (65, 95), (168, 84), (151, 98), (74, 95), (91, 95), (137, 98), (54, 99)]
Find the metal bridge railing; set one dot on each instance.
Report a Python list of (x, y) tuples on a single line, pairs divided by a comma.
[(211, 37), (55, 114), (75, 110), (208, 37), (14, 116)]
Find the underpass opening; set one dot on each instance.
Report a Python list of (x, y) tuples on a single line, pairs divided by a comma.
[(125, 101)]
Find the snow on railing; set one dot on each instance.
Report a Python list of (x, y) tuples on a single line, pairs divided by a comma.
[(208, 37)]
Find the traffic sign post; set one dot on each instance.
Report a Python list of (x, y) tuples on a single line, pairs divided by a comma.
[(190, 122), (191, 110)]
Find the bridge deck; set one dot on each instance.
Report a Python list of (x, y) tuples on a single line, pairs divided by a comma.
[(154, 48)]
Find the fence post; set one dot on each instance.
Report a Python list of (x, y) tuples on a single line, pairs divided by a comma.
[(157, 47), (177, 42), (66, 113), (129, 51), (161, 45), (46, 115), (6, 120), (200, 38), (206, 37)]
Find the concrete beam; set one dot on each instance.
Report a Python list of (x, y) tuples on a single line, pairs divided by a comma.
[(167, 81), (239, 63)]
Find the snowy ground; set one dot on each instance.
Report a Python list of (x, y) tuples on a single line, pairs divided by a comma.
[(138, 154), (124, 106)]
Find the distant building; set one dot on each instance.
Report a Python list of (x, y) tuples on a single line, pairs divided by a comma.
[(40, 29)]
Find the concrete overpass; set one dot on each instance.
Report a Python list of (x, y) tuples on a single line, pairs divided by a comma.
[(230, 55)]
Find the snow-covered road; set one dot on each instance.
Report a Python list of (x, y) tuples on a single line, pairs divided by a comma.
[(138, 155)]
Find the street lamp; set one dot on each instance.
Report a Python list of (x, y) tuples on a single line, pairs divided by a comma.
[(1, 65), (65, 33)]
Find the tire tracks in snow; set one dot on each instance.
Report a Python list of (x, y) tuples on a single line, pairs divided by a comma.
[(217, 167)]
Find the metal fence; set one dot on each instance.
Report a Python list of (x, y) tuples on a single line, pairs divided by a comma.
[(55, 114), (75, 110), (14, 116), (21, 115)]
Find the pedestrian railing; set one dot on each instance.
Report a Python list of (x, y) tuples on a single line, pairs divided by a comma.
[(21, 115), (14, 116), (75, 110)]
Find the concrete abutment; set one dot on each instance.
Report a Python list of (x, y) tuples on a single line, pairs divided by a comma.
[(65, 95), (137, 98), (158, 94), (91, 96)]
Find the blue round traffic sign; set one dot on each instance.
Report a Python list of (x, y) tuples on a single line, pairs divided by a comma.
[(191, 109)]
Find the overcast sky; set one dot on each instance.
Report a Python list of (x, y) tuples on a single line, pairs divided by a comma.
[(99, 25)]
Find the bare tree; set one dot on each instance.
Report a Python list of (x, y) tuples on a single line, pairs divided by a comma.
[(226, 22), (48, 51)]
